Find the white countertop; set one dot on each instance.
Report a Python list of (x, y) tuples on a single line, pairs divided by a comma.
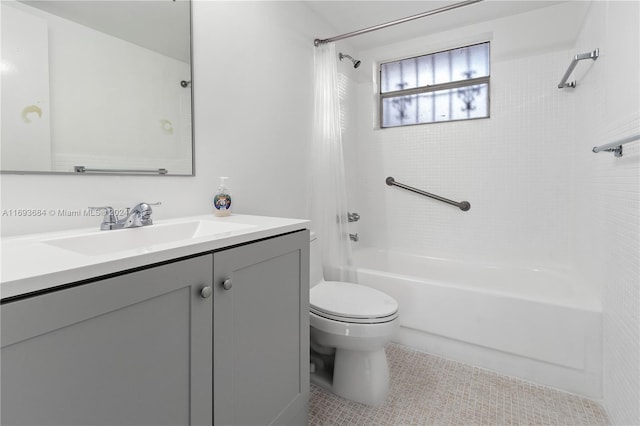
[(29, 264)]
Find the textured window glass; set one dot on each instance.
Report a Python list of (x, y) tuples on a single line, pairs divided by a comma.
[(389, 117), (390, 76), (409, 74), (436, 68), (470, 102), (399, 75), (425, 103), (459, 65), (400, 111), (425, 64), (442, 68), (479, 59), (426, 107), (443, 105)]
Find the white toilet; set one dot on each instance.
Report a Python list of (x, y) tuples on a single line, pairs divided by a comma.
[(350, 325)]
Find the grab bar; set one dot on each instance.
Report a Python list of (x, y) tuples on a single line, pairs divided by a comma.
[(589, 55), (83, 169), (463, 205), (616, 147)]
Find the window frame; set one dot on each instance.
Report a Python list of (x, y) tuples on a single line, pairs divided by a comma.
[(434, 87)]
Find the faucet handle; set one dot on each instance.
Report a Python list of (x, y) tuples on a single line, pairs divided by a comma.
[(110, 217), (109, 212), (145, 208), (144, 211)]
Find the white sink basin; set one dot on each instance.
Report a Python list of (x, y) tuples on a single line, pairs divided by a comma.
[(106, 242)]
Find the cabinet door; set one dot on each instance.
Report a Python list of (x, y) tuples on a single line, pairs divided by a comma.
[(134, 349), (261, 332)]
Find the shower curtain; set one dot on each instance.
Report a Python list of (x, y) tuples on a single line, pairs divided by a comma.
[(329, 193)]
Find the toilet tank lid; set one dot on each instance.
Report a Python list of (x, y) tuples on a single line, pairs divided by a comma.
[(350, 300)]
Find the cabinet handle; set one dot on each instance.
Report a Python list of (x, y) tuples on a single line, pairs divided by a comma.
[(205, 292), (227, 284)]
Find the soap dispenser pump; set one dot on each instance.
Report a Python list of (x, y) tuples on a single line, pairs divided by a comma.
[(222, 199)]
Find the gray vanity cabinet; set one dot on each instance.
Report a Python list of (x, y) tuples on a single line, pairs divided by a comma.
[(132, 349), (218, 338), (261, 332)]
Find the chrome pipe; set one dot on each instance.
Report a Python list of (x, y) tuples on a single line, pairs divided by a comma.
[(318, 41), (616, 147), (579, 57), (463, 205)]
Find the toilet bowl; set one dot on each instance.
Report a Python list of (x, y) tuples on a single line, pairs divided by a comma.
[(350, 325)]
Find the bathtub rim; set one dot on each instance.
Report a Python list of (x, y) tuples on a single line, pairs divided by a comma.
[(587, 301)]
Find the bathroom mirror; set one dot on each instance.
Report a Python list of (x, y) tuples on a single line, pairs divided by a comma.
[(96, 86)]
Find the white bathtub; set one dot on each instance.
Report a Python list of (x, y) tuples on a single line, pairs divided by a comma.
[(539, 325)]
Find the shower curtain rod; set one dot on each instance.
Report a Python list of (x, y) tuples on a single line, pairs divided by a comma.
[(318, 41)]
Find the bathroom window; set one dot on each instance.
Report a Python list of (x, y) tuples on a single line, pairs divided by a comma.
[(443, 86)]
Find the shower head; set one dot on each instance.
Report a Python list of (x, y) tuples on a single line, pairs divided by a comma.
[(356, 63)]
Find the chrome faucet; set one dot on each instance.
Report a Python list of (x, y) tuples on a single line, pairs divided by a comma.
[(139, 215)]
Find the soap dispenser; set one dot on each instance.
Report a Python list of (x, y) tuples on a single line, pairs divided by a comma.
[(222, 199)]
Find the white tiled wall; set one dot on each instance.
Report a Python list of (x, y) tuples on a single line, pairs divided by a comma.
[(606, 234), (513, 168)]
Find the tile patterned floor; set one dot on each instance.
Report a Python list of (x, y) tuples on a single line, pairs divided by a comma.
[(428, 390)]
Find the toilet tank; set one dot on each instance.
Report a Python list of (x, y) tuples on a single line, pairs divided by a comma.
[(315, 261)]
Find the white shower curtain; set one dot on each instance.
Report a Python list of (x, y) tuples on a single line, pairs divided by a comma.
[(328, 193)]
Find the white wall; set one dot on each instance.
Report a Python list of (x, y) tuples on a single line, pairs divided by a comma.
[(254, 84), (25, 133), (253, 109), (513, 168), (606, 225)]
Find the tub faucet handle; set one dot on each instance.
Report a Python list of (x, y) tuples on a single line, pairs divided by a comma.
[(353, 217)]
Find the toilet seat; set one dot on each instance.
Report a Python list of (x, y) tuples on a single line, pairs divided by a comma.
[(352, 303)]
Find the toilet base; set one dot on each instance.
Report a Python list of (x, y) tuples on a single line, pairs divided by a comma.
[(361, 376)]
